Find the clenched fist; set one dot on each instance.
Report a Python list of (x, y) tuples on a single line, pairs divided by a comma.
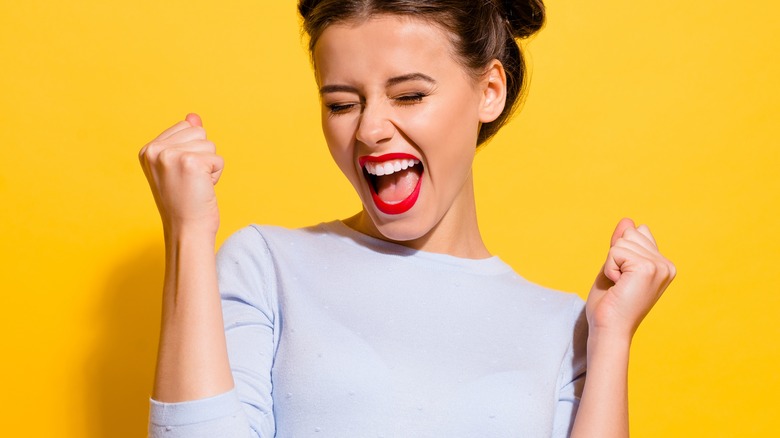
[(182, 168), (630, 282)]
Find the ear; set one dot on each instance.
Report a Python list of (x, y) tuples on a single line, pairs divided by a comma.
[(493, 89)]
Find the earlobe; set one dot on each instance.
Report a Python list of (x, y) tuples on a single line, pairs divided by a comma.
[(493, 92)]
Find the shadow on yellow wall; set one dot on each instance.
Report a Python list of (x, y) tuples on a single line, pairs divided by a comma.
[(120, 370)]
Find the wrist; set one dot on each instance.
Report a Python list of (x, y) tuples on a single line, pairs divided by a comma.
[(615, 342), (203, 232)]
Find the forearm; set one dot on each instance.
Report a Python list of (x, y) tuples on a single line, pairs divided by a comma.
[(603, 410), (192, 360)]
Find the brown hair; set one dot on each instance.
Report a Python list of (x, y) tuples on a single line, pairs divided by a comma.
[(481, 30)]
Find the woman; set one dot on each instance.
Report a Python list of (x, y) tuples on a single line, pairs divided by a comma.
[(396, 321)]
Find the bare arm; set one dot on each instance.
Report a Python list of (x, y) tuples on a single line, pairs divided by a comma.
[(182, 169), (630, 283)]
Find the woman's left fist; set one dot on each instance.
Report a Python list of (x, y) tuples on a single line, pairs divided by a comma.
[(631, 281)]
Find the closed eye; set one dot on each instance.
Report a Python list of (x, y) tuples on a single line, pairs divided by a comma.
[(410, 99), (340, 108)]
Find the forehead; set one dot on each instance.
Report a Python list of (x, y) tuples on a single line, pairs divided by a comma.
[(385, 45)]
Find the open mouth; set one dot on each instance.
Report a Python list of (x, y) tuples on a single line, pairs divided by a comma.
[(394, 180)]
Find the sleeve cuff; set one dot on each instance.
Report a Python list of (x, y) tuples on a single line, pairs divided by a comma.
[(195, 411)]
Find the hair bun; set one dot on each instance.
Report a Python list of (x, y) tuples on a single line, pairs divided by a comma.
[(306, 6), (525, 17)]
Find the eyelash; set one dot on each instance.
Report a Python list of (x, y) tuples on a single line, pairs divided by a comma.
[(409, 99), (404, 100), (339, 108)]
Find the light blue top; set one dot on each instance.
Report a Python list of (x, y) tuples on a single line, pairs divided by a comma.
[(332, 333)]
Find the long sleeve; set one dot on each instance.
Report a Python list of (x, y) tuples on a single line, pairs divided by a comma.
[(572, 377), (247, 286), (218, 416)]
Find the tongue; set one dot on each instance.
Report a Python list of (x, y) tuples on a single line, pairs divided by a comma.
[(397, 186)]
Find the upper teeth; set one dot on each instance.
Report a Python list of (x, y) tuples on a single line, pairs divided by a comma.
[(388, 167)]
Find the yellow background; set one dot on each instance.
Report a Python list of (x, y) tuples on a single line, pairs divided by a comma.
[(664, 111)]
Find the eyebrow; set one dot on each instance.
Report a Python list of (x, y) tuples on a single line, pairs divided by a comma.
[(410, 77), (390, 82)]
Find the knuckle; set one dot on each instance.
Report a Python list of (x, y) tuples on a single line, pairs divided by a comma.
[(672, 270), (647, 267), (166, 156), (663, 270), (151, 150), (189, 161)]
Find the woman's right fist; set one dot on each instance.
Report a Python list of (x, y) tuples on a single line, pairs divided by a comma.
[(182, 168)]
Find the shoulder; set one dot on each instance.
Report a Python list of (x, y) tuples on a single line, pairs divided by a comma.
[(546, 298), (270, 240), (562, 317), (252, 262), (261, 235), (559, 312)]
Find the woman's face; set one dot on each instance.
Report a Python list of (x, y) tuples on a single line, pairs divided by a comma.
[(401, 117)]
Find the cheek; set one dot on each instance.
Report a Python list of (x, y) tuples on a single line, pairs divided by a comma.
[(338, 136), (451, 139), (339, 130), (445, 132)]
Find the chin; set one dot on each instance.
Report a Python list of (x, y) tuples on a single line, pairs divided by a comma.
[(402, 230)]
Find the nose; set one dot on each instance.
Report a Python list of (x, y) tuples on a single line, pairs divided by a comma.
[(375, 126)]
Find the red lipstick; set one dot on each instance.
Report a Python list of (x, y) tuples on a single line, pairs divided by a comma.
[(399, 207)]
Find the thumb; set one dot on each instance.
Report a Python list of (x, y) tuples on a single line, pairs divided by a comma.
[(621, 228), (602, 282), (194, 120)]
